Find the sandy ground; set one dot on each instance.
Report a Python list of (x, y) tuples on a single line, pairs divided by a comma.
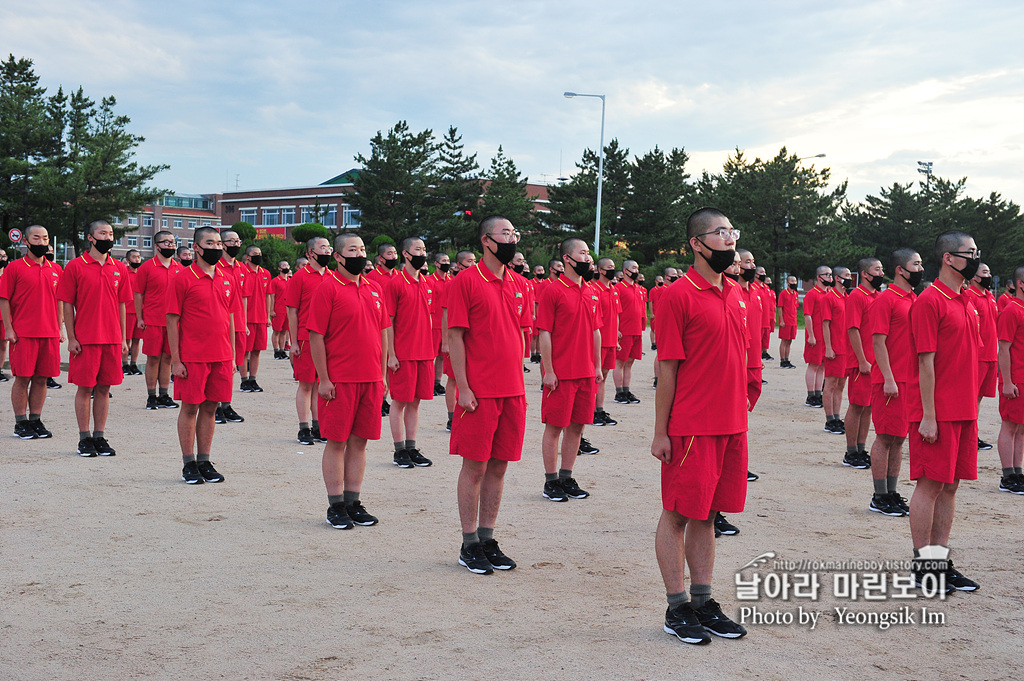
[(115, 569)]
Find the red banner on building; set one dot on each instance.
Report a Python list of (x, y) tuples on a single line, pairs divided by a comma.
[(268, 232)]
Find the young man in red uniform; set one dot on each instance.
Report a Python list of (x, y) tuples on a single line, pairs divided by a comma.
[(610, 310), (943, 411), (767, 311), (185, 256), (632, 323), (28, 310), (385, 265), (661, 282), (887, 321), (788, 304), (463, 261), (439, 279), (1007, 296), (3, 331), (300, 295), (486, 316), (836, 342), (133, 259), (750, 295), (257, 284), (520, 268), (278, 311), (238, 274), (700, 427), (200, 332), (1011, 401), (408, 297), (151, 286), (988, 355), (859, 358), (814, 346), (569, 336), (95, 290), (347, 327)]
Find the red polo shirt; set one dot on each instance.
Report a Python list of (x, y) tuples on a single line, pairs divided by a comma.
[(301, 288), (857, 304), (832, 307), (132, 274), (408, 302), (813, 300), (437, 283), (945, 322), (752, 302), (528, 295), (380, 276), (153, 282), (257, 285), (493, 313), (610, 309), (789, 300), (31, 290), (767, 305), (279, 289), (889, 316), (1003, 300), (1011, 330), (988, 313), (705, 329), (350, 317), (570, 313), (96, 291), (204, 304), (238, 273), (633, 318)]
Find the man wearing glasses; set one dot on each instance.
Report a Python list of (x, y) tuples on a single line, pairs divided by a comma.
[(278, 310), (814, 348), (943, 411), (700, 436), (151, 286), (299, 298)]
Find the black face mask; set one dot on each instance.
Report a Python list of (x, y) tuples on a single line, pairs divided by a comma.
[(38, 250), (581, 268), (49, 256), (519, 269), (391, 264), (985, 282), (135, 265), (748, 275), (168, 252), (354, 264), (848, 284), (660, 283), (672, 280), (970, 269), (633, 275), (588, 275), (3, 263), (256, 260), (211, 256), (504, 252), (734, 277), (444, 267), (874, 282), (792, 287), (323, 260), (104, 246), (232, 250), (285, 273), (608, 274), (186, 262), (719, 261), (417, 261), (762, 277), (914, 278), (827, 283)]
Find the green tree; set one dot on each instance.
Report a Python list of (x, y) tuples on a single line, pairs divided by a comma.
[(244, 230), (653, 219), (306, 231), (455, 198), (505, 194)]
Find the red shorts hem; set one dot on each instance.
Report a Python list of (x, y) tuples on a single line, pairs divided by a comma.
[(987, 375), (205, 382), (35, 357), (889, 414), (705, 473), (571, 402), (154, 341), (858, 387), (953, 456), (303, 368), (256, 341), (630, 347), (495, 430), (355, 410), (413, 381), (96, 365)]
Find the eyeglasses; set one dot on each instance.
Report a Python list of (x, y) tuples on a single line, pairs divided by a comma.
[(167, 242), (724, 233), (968, 255), (511, 237)]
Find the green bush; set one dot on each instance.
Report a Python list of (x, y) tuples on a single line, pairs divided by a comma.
[(276, 250), (245, 230), (308, 230), (379, 240)]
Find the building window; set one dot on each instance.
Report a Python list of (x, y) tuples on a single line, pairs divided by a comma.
[(307, 214), (133, 241), (133, 220), (163, 223), (331, 217), (270, 217), (147, 220), (147, 242), (248, 215), (192, 224), (350, 217), (287, 216), (206, 223), (177, 223)]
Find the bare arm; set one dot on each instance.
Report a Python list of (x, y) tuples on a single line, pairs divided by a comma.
[(5, 315), (390, 356), (929, 429), (882, 359), (318, 352), (293, 328), (177, 367), (661, 447), (138, 310), (809, 325), (544, 345), (858, 349), (826, 331), (1009, 388), (457, 348), (598, 374), (74, 347)]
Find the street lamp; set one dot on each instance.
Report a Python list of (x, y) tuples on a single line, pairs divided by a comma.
[(815, 156), (925, 168), (600, 170)]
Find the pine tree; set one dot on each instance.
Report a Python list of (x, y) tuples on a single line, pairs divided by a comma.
[(506, 195), (453, 203), (653, 220)]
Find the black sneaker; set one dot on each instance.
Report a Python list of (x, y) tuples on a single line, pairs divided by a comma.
[(715, 622), (208, 472), (621, 398), (190, 474), (151, 403), (52, 384), (86, 447), (598, 419), (586, 447), (683, 623), (654, 347), (553, 491), (495, 556), (254, 387), (338, 517), (136, 371), (931, 578), (126, 370), (655, 386), (438, 390), (24, 430), (305, 437), (818, 402), (315, 431), (810, 402), (231, 416), (358, 514), (385, 408), (526, 369), (402, 459), (882, 503), (41, 432), (219, 416), (103, 447), (1007, 483), (751, 477), (606, 420), (724, 526), (899, 501), (769, 357), (983, 445), (166, 402), (535, 358), (718, 533), (955, 579), (448, 426), (243, 387), (473, 559), (418, 459), (632, 399), (854, 460), (572, 488)]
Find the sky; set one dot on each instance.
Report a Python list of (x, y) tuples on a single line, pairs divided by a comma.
[(268, 94)]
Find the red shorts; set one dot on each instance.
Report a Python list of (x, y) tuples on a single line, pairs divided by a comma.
[(766, 337), (1010, 409), (571, 402), (435, 337), (608, 358), (35, 357), (131, 327), (205, 382), (413, 381), (753, 386), (446, 366), (96, 365), (953, 456), (355, 410), (154, 341), (889, 414), (836, 368), (303, 368), (256, 341), (814, 354), (706, 473), (279, 322), (631, 347), (240, 341), (494, 431), (787, 332), (987, 372), (858, 387)]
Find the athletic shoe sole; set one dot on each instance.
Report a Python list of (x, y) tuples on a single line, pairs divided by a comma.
[(341, 527), (890, 513), (193, 482), (556, 499), (475, 571), (692, 641)]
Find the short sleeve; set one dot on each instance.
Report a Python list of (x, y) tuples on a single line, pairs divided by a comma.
[(672, 319), (458, 300), (67, 290), (293, 296), (175, 301), (924, 325), (546, 311), (125, 294), (1006, 326), (878, 317)]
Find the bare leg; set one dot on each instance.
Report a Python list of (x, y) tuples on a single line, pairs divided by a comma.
[(490, 492), (165, 371), (471, 478), (412, 419), (100, 407), (36, 395), (599, 400), (396, 420), (83, 406), (1007, 443), (19, 394), (617, 374), (187, 428), (923, 510), (205, 423), (571, 445), (355, 463), (549, 448), (302, 400), (333, 466)]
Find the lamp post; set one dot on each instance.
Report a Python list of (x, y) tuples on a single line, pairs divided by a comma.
[(802, 158), (600, 170)]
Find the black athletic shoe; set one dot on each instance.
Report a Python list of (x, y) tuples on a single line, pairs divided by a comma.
[(900, 502), (932, 579), (1007, 483), (418, 459), (103, 447), (683, 623), (24, 430), (751, 477), (136, 370), (526, 369), (52, 384), (385, 408), (769, 357), (655, 386), (718, 533), (231, 416), (126, 370), (190, 474), (586, 447), (818, 401), (621, 398), (448, 426), (438, 390), (535, 358), (315, 431), (151, 403), (715, 622), (882, 503), (166, 402), (219, 417), (606, 419), (402, 459), (982, 445), (254, 387), (632, 399), (338, 517), (855, 460), (86, 447), (955, 579), (724, 526), (473, 559), (553, 491), (810, 402), (243, 387), (358, 514), (572, 488), (494, 556), (835, 426), (305, 437), (654, 347), (208, 472), (41, 432)]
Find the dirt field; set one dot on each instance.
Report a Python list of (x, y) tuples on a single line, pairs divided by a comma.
[(115, 569)]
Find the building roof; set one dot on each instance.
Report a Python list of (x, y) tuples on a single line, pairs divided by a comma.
[(347, 177)]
